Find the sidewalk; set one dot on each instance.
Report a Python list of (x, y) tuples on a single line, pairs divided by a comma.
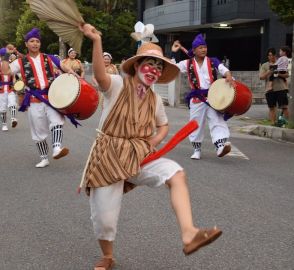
[(249, 123)]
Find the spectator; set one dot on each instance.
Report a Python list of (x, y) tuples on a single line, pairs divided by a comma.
[(73, 63), (275, 92)]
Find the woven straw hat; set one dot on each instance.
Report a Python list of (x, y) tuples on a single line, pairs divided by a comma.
[(170, 70)]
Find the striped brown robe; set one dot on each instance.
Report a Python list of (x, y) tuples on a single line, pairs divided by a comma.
[(121, 147)]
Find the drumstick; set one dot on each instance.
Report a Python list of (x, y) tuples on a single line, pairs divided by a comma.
[(176, 139)]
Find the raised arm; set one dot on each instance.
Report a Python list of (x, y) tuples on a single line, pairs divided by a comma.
[(99, 71)]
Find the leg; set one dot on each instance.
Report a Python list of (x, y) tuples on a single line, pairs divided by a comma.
[(286, 112), (198, 113), (180, 201), (12, 108), (193, 238), (57, 136), (56, 121), (282, 97), (4, 121), (272, 115), (43, 151), (219, 132), (3, 108), (105, 215), (271, 100), (166, 171)]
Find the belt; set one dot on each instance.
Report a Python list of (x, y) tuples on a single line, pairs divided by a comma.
[(35, 100), (8, 91)]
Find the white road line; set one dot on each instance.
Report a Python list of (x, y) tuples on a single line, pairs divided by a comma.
[(235, 152)]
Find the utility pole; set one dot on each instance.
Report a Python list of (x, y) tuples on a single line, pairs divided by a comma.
[(62, 49), (291, 88)]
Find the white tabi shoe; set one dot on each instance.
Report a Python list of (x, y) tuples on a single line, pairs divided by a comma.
[(13, 122), (223, 150), (43, 163), (59, 152), (4, 127), (196, 154)]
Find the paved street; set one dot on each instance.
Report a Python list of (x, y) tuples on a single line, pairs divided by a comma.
[(44, 224)]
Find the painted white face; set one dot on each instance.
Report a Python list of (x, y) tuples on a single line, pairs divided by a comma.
[(150, 70)]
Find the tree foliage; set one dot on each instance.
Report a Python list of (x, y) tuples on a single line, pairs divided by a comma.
[(10, 11), (114, 18), (284, 9), (29, 20)]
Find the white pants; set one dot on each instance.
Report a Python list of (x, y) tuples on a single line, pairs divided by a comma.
[(217, 125), (41, 116), (105, 202), (7, 100)]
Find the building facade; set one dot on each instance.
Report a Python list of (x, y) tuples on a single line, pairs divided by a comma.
[(241, 30)]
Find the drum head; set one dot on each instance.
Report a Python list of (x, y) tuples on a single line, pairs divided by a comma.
[(19, 86), (63, 91), (220, 95)]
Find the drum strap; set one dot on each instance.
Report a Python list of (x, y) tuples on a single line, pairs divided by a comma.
[(39, 95)]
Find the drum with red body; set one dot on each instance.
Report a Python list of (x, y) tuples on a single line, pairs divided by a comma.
[(226, 99), (72, 95)]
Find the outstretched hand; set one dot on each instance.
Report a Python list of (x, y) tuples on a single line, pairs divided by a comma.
[(90, 31), (176, 46)]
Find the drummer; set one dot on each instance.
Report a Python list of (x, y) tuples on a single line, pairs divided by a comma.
[(72, 62), (7, 94), (202, 71), (37, 73)]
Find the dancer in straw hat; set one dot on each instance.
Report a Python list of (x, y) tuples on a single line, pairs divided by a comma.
[(132, 124), (202, 71), (37, 70)]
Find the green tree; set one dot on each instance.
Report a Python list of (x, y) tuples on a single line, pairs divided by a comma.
[(29, 20), (285, 10), (115, 19), (10, 11)]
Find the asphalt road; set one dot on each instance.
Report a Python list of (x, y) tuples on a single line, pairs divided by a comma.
[(44, 224)]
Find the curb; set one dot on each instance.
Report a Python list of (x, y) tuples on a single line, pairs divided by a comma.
[(274, 133)]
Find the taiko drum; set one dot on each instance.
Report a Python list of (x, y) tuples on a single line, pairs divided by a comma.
[(227, 99), (72, 95)]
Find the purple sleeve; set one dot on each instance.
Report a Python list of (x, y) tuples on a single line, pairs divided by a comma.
[(215, 61), (2, 51), (55, 60)]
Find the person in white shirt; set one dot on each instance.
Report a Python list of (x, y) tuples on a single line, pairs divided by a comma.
[(202, 72), (37, 70), (133, 122)]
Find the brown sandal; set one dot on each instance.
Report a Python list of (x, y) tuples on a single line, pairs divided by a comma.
[(201, 239), (106, 263)]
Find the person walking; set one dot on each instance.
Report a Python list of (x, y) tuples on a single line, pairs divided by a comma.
[(202, 72), (37, 70)]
